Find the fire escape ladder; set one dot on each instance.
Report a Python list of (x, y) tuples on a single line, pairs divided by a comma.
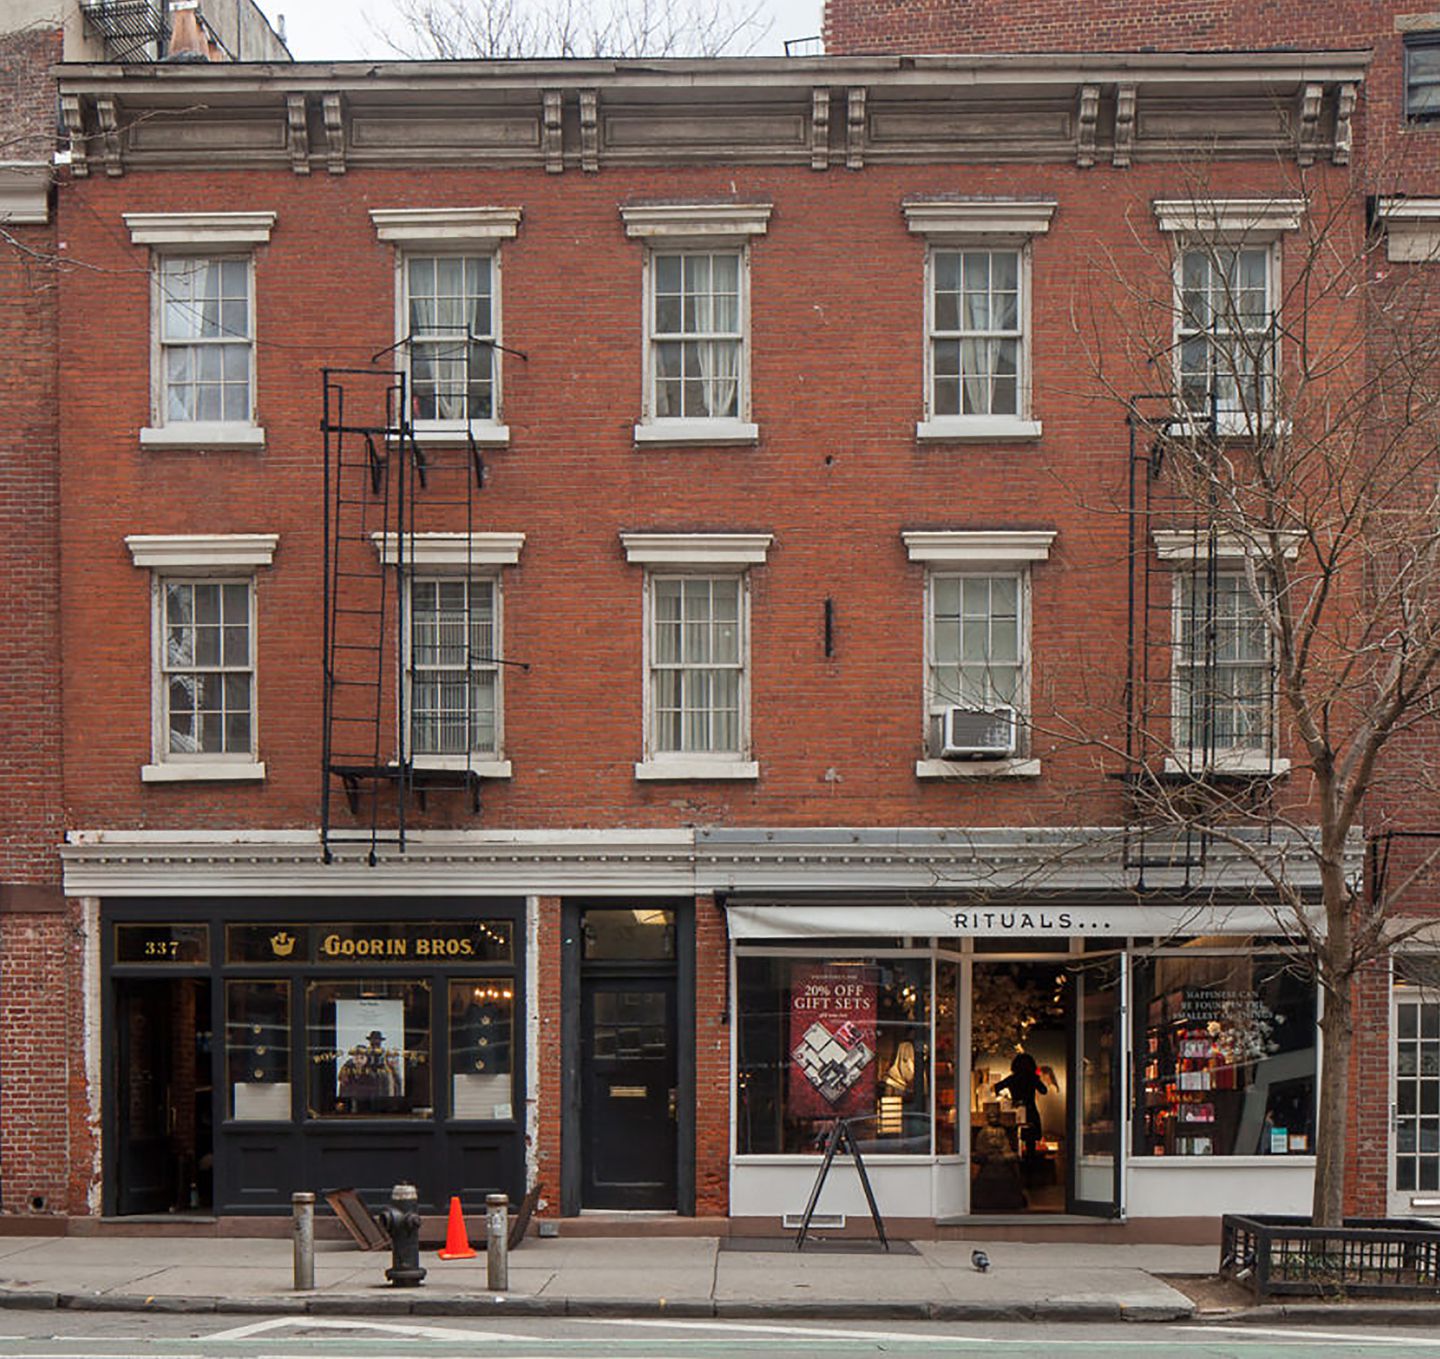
[(363, 426), (132, 30)]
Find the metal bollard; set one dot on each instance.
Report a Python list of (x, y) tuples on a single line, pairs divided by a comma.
[(497, 1243), (303, 1207)]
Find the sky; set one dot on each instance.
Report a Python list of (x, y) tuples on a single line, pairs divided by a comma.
[(319, 30)]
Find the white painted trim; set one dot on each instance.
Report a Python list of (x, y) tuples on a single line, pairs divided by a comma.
[(696, 549), (672, 223), (695, 767), (1186, 545), (958, 429), (966, 218), (218, 435), (1243, 763), (977, 769), (211, 229), (1412, 229), (711, 432), (1254, 218), (183, 771), (413, 227), (455, 551), (987, 547), (485, 433), (201, 551), (484, 768), (24, 192)]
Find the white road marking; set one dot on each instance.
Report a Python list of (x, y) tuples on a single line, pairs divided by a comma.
[(383, 1327), (807, 1332), (1338, 1337)]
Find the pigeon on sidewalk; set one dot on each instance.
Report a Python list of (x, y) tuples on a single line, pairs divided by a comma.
[(980, 1260)]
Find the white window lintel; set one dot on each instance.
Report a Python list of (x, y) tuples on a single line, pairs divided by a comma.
[(201, 551), (679, 222), (1252, 218), (415, 227), (452, 550), (979, 546), (1412, 229), (696, 549), (217, 229), (942, 218), (1184, 545)]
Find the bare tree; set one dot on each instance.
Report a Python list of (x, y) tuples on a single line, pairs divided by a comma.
[(513, 29), (1286, 528)]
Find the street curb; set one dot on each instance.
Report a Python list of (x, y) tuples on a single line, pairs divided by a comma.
[(1328, 1314)]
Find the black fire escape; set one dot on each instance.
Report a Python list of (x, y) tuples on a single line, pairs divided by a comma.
[(382, 487)]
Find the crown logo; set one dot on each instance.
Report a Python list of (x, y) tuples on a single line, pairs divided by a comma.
[(282, 944)]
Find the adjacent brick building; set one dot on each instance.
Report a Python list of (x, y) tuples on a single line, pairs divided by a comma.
[(592, 601)]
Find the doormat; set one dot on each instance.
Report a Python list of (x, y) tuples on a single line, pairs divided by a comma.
[(815, 1245)]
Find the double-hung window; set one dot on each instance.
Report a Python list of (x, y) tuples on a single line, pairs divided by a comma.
[(1422, 76), (978, 350), (452, 706), (696, 320), (977, 649), (454, 685), (1222, 671), (1226, 303), (448, 317), (203, 388), (697, 653), (204, 709)]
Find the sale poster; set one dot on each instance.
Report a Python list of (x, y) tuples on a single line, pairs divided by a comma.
[(832, 1041)]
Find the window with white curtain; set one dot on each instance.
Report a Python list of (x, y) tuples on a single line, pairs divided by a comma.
[(450, 311), (976, 334), (207, 664), (453, 673), (697, 661), (1224, 683), (696, 335), (1226, 335), (206, 339)]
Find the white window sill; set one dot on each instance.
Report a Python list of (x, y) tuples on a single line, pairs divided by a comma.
[(701, 432), (185, 771), (977, 769), (958, 429), (203, 434), (1231, 427), (483, 432), (1239, 763), (697, 769), (485, 768)]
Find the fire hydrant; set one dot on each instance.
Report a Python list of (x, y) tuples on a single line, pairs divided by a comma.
[(402, 1221)]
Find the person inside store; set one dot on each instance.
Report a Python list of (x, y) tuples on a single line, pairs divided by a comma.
[(1025, 1085)]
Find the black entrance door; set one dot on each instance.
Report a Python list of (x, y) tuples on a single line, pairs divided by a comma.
[(628, 1092), (163, 1136)]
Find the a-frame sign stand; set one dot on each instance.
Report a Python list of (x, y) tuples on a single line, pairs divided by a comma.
[(841, 1139)]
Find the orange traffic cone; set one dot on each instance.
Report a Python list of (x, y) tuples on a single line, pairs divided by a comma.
[(457, 1244)]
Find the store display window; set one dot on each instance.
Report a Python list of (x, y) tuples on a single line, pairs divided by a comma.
[(482, 1025), (369, 1049), (823, 1038), (1225, 1056), (257, 1049)]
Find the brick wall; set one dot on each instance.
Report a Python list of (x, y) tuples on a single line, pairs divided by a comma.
[(712, 1060), (42, 1095), (548, 1093)]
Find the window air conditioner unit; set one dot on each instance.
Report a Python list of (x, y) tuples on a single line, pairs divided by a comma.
[(976, 733)]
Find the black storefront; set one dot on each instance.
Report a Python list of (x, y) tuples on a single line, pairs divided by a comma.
[(257, 1047)]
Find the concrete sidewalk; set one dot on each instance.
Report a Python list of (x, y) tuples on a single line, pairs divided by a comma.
[(678, 1276)]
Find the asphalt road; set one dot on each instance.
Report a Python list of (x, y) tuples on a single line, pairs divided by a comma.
[(51, 1335)]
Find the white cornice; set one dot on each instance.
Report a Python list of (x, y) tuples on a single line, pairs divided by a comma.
[(1183, 545), (696, 549), (980, 546), (1412, 229), (695, 221), (24, 193), (1252, 217), (453, 550), (958, 217), (220, 229), (201, 551), (445, 226)]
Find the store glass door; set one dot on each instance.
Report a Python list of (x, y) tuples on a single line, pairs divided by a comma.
[(1415, 1117), (1097, 1072), (163, 1127)]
